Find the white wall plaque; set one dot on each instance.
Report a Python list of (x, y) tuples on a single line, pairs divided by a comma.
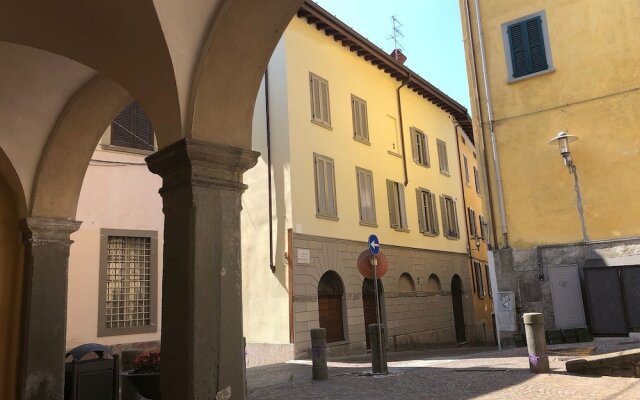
[(304, 256)]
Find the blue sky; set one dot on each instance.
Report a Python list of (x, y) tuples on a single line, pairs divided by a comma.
[(432, 38)]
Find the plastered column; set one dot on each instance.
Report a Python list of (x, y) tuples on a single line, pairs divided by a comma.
[(202, 350), (44, 318)]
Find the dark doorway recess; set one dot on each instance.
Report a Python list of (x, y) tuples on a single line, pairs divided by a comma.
[(458, 311), (330, 306)]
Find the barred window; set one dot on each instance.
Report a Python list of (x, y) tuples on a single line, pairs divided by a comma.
[(128, 282)]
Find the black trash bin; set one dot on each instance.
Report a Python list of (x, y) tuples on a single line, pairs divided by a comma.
[(95, 378)]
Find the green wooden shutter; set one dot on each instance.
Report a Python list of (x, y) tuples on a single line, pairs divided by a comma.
[(535, 38), (517, 44)]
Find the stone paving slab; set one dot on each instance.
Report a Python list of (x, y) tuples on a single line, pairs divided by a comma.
[(465, 373)]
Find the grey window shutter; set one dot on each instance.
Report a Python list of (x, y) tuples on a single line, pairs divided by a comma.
[(365, 123), (402, 212), (355, 110), (315, 99), (371, 211), (414, 145), (422, 215), (393, 205), (434, 209), (455, 219), (122, 126), (324, 95), (331, 189), (445, 216), (320, 186)]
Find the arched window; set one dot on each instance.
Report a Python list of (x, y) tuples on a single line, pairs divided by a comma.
[(433, 284), (330, 308), (132, 128), (406, 284)]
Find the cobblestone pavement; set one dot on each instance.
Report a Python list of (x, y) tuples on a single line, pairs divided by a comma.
[(462, 373)]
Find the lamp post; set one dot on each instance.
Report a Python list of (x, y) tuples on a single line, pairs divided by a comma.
[(563, 139)]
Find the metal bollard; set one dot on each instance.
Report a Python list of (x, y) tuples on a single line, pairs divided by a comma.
[(128, 392), (536, 343), (378, 356), (319, 354)]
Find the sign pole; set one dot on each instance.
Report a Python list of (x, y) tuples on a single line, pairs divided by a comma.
[(374, 262)]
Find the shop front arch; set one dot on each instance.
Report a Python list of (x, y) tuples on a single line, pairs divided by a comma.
[(331, 306)]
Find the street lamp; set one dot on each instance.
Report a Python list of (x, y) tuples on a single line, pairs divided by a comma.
[(563, 139)]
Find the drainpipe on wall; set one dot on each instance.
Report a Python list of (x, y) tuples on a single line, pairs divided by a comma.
[(494, 146), (404, 153), (268, 123)]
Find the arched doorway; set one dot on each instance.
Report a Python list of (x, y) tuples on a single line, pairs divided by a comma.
[(458, 312), (330, 306), (369, 305)]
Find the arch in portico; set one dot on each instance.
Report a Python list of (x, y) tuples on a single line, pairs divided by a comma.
[(12, 209)]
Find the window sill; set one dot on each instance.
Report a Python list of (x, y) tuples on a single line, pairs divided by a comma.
[(393, 153), (452, 237), (328, 217), (521, 78), (322, 124), (340, 343), (406, 230), (422, 165), (105, 332), (429, 234), (122, 149), (370, 224), (445, 173), (362, 140)]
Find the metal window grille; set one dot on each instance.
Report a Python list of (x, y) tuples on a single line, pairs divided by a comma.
[(128, 294)]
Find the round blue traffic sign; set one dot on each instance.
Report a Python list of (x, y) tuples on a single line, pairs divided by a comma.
[(374, 245)]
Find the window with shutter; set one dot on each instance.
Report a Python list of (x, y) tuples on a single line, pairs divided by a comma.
[(466, 169), (419, 147), (427, 215), (450, 226), (443, 159), (366, 200), (482, 227), (476, 178), (477, 269), (397, 211), (473, 229), (320, 105), (489, 290), (359, 116), (527, 45), (325, 187), (132, 128)]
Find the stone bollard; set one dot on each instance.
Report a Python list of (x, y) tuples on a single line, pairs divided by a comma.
[(378, 358), (319, 354), (128, 392), (536, 343)]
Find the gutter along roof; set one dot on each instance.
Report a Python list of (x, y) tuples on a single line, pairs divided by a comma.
[(332, 26)]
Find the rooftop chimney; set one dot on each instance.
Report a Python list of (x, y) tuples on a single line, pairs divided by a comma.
[(399, 56)]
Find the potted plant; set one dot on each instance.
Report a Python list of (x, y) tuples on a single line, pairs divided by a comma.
[(145, 375)]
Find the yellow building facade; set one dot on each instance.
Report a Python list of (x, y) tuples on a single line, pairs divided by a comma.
[(535, 70), (358, 145), (477, 234)]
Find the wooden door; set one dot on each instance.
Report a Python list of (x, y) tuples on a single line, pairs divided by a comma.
[(458, 311), (330, 311)]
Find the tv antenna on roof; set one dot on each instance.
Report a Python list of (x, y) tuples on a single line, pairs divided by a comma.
[(395, 35)]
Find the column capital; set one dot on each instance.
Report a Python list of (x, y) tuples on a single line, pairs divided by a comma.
[(200, 163), (41, 230)]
